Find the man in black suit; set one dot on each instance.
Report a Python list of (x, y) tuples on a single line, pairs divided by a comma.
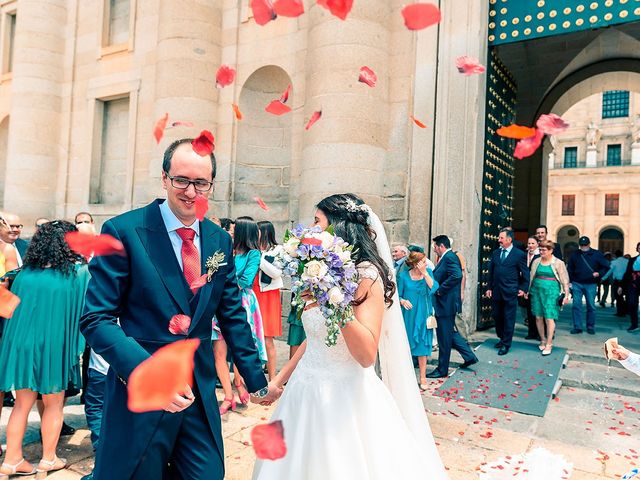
[(448, 274), (542, 234), (12, 235), (508, 280)]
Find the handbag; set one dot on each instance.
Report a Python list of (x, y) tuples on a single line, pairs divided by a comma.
[(432, 322), (560, 299)]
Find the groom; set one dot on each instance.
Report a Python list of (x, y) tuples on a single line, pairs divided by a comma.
[(166, 249)]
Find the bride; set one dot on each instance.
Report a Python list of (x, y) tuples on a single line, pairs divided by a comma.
[(340, 420)]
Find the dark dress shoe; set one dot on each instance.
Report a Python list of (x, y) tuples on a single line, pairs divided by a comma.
[(499, 344), (633, 329), (503, 350), (468, 363), (435, 374), (574, 331), (67, 430), (591, 331)]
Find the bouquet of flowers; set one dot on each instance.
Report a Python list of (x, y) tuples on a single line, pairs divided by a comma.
[(320, 264)]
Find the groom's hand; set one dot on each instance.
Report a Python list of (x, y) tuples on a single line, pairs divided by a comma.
[(273, 395), (182, 401)]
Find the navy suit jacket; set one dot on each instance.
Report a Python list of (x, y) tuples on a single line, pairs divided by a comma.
[(448, 273), (143, 291), (506, 278), (21, 246)]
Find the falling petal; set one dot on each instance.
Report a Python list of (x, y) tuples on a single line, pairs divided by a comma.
[(338, 8), (276, 107), (204, 143), (202, 205), (289, 8), (551, 124), (88, 244), (198, 283), (236, 111), (527, 146), (516, 131), (8, 302), (285, 94), (469, 65), (268, 441), (261, 203), (263, 11), (368, 76), (179, 324), (418, 16), (314, 118), (158, 130), (180, 123), (417, 122), (153, 384), (225, 76)]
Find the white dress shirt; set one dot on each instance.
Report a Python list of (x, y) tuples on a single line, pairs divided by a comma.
[(172, 223)]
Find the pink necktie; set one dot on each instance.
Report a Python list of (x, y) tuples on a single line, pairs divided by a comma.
[(190, 255)]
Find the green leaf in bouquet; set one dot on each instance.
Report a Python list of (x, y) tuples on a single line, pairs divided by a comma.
[(287, 236), (330, 230)]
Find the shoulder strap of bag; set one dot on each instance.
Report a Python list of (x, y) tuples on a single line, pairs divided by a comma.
[(585, 262)]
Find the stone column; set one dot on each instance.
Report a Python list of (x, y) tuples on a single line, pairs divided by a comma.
[(188, 56), (592, 156), (590, 215), (459, 140), (346, 150), (34, 146), (634, 226)]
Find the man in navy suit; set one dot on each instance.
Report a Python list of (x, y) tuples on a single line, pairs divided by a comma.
[(508, 280), (448, 273), (11, 235), (165, 243)]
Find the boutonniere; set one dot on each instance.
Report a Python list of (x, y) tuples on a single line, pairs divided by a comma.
[(214, 262)]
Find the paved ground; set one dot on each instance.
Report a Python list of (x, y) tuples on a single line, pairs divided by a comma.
[(594, 423)]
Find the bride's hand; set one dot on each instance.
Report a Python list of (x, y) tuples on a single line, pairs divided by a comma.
[(307, 296)]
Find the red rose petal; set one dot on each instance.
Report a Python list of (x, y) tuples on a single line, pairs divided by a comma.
[(339, 8), (204, 143), (8, 302), (261, 203), (368, 76), (268, 441), (527, 146), (158, 129), (202, 205), (236, 111), (551, 124), (418, 16), (288, 8), (153, 383), (179, 324), (315, 242), (278, 108), (198, 283), (469, 65), (314, 118), (516, 131), (417, 122), (263, 11), (225, 76), (88, 244), (285, 94)]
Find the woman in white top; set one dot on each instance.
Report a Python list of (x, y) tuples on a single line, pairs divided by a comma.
[(267, 287)]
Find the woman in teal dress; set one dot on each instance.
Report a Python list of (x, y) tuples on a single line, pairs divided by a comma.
[(416, 287), (42, 344), (549, 278)]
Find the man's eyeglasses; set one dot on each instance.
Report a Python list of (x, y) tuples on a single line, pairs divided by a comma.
[(82, 221), (183, 183), (16, 227)]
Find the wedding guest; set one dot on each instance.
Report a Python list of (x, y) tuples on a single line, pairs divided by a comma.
[(83, 217), (399, 254), (548, 290), (246, 249), (267, 287), (631, 288), (43, 344), (416, 286), (40, 221), (10, 234), (228, 225), (616, 275)]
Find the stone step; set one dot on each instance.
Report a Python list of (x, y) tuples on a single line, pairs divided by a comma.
[(593, 376)]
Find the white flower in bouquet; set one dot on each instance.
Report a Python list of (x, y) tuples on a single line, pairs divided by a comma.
[(291, 245), (327, 239), (336, 297), (344, 255), (314, 270)]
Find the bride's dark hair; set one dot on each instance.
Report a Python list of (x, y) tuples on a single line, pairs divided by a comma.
[(351, 224)]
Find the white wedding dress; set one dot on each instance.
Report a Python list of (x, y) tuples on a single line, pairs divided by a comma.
[(340, 420)]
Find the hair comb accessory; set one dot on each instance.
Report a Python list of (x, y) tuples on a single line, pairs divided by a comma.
[(352, 206)]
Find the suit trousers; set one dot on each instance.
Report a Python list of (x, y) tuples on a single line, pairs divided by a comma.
[(182, 448), (621, 303), (504, 314), (633, 292), (448, 338)]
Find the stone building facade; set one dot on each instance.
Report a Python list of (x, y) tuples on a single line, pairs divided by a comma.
[(594, 173)]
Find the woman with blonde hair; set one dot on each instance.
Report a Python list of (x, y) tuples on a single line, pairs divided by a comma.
[(548, 292)]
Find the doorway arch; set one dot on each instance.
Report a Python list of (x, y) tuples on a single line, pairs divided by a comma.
[(567, 236), (610, 239)]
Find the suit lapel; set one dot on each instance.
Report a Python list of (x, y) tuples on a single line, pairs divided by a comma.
[(155, 240), (209, 244)]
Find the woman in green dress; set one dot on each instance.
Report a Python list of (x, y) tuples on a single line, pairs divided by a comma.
[(42, 343), (549, 279)]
